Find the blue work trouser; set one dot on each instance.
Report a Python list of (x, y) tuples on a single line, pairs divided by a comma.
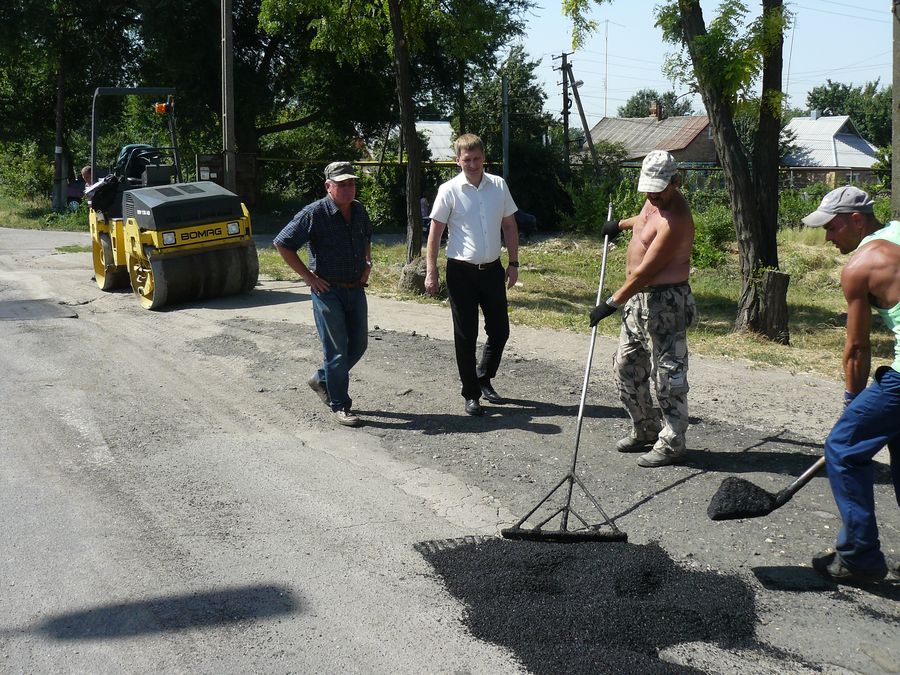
[(470, 288), (871, 421), (342, 320)]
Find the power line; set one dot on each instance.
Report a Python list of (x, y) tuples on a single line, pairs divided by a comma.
[(850, 16), (861, 9)]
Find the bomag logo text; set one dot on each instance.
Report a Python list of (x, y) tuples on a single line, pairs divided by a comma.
[(201, 234)]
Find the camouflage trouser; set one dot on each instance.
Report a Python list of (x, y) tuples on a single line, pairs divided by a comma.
[(653, 344)]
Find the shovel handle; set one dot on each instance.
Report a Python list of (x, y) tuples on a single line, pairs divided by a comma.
[(784, 496)]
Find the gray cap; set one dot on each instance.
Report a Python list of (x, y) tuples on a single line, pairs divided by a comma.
[(338, 171), (847, 199)]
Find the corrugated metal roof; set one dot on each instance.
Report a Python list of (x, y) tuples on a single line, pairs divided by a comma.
[(640, 135), (440, 139), (830, 142)]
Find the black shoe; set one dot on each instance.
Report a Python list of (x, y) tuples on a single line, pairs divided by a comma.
[(831, 566), (473, 407), (488, 392)]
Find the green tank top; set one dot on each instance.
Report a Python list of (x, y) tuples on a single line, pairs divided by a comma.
[(891, 233)]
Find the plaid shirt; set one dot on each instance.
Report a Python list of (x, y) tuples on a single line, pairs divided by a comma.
[(337, 249)]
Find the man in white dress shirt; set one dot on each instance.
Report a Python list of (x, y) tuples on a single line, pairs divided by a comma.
[(475, 206)]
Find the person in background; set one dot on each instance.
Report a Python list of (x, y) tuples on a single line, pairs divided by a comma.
[(871, 417), (657, 309), (338, 233), (475, 206)]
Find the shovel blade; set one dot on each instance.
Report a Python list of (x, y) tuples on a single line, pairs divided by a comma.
[(739, 498)]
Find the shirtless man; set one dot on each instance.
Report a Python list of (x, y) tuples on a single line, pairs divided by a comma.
[(657, 308), (871, 418)]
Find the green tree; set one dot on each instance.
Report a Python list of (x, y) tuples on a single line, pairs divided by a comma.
[(353, 30), (868, 107), (281, 83), (639, 104), (51, 60), (534, 166), (722, 61)]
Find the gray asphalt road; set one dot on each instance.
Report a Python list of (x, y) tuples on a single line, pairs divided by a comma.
[(174, 498), (159, 515)]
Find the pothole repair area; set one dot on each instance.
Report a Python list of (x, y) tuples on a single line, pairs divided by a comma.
[(592, 607), (31, 310)]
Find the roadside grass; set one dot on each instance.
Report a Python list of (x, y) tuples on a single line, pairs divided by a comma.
[(73, 248), (39, 215), (558, 286), (559, 276)]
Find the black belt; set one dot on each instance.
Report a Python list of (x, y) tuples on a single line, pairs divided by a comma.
[(347, 284), (664, 287), (479, 266)]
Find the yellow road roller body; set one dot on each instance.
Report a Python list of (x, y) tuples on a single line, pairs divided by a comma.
[(176, 243), (171, 241)]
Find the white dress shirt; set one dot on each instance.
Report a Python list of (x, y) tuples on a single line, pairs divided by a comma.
[(473, 216)]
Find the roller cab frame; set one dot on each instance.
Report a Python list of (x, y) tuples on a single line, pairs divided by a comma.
[(172, 241)]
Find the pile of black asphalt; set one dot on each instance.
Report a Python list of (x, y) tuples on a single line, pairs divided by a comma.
[(739, 498), (591, 607)]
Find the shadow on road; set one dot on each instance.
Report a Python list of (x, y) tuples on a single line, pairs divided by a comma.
[(512, 414), (804, 579), (261, 297), (172, 613)]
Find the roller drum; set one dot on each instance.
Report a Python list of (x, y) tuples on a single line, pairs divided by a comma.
[(209, 274)]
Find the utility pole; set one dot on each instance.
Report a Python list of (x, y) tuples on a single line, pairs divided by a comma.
[(567, 102), (584, 124), (606, 23), (228, 139), (505, 86), (895, 113)]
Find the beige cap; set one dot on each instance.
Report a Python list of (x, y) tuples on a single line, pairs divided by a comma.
[(657, 171)]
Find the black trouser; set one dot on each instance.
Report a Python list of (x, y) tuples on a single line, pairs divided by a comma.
[(470, 288)]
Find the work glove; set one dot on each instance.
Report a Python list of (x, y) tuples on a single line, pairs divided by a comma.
[(600, 312), (610, 229)]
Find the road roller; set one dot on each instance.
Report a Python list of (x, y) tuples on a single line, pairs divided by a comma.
[(171, 241)]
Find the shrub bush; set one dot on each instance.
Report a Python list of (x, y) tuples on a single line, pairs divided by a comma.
[(70, 220), (795, 203), (25, 172), (384, 195), (713, 229)]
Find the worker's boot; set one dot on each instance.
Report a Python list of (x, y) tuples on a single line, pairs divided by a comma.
[(640, 438)]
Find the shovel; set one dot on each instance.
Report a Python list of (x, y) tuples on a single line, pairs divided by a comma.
[(739, 498)]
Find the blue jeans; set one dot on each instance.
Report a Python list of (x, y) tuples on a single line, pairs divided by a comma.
[(342, 320), (871, 421)]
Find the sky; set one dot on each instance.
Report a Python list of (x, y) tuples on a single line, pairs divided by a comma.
[(849, 42)]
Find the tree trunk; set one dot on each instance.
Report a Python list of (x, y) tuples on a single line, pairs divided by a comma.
[(461, 98), (762, 307), (408, 132), (59, 187)]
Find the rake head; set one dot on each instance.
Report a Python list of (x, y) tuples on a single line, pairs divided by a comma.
[(563, 536)]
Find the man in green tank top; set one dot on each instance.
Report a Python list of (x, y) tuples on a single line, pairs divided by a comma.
[(871, 417)]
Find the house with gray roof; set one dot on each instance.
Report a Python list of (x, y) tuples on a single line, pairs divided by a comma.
[(829, 148), (440, 139), (688, 138)]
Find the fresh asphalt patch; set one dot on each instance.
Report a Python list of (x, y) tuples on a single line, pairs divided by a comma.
[(591, 607)]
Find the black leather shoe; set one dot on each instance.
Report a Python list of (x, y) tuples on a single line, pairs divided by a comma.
[(473, 407), (489, 394)]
